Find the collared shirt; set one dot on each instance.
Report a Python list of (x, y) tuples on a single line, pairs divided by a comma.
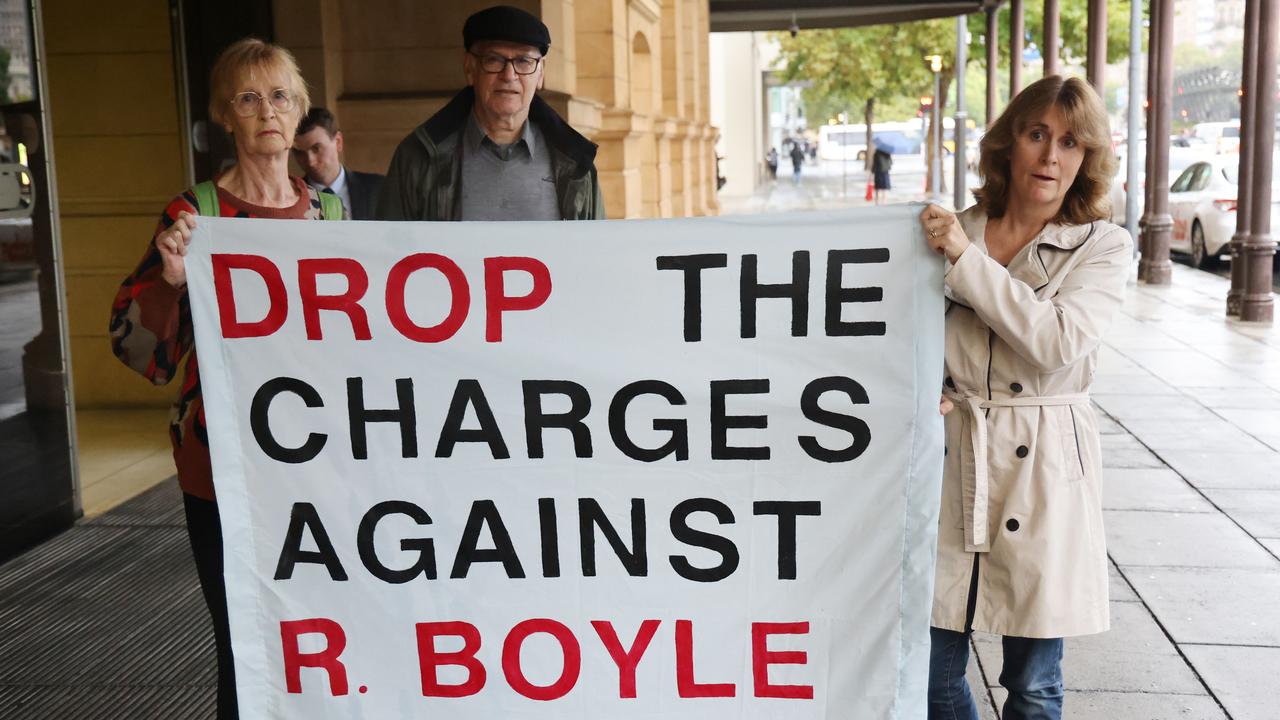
[(507, 182), (339, 187)]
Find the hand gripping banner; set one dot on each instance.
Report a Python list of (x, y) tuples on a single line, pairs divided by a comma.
[(674, 468)]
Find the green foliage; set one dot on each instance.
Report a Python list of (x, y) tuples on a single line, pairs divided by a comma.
[(847, 66), (1190, 56), (1073, 27), (844, 67)]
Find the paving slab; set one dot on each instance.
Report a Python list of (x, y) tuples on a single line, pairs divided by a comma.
[(1129, 458), (1182, 540), (1257, 398), (1112, 363), (978, 686), (1123, 442), (1108, 426), (1206, 435), (1271, 440), (1139, 706), (1257, 470), (1242, 678), (1189, 368), (1145, 338), (1132, 385), (1272, 544), (1134, 656), (1118, 588), (1150, 489), (1258, 511), (1232, 440), (1252, 420), (1242, 351), (1213, 605), (1166, 407)]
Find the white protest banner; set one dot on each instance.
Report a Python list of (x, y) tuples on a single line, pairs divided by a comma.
[(678, 468)]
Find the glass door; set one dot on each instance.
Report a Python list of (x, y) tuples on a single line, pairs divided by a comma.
[(38, 491)]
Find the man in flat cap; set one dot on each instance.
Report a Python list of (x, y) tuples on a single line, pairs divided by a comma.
[(497, 151)]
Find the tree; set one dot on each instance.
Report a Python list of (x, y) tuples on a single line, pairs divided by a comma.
[(846, 67)]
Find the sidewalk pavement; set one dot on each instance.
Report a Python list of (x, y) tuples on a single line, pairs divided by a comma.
[(1191, 496), (1190, 406), (830, 184)]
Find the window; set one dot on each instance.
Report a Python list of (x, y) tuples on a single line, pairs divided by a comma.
[(1184, 180)]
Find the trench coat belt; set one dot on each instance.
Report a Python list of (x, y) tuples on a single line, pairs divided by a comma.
[(976, 531)]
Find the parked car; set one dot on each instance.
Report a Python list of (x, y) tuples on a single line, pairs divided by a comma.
[(1223, 137), (1179, 159), (1202, 202)]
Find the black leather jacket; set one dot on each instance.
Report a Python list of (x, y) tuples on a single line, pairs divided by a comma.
[(426, 170)]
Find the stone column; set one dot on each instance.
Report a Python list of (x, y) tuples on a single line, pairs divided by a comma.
[(1148, 188), (1244, 185), (1017, 29), (1256, 305), (681, 182), (1159, 271), (993, 60), (1051, 33), (1097, 56)]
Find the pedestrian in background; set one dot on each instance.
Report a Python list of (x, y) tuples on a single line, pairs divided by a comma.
[(881, 164), (771, 162), (797, 160), (318, 150), (1035, 277)]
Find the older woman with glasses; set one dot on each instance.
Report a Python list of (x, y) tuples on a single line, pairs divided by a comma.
[(1035, 277), (257, 96)]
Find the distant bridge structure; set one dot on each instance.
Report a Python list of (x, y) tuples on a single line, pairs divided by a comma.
[(1207, 94)]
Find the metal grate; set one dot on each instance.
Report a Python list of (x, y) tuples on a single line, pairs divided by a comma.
[(107, 621)]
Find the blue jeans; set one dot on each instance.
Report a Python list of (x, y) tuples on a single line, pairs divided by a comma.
[(1032, 674)]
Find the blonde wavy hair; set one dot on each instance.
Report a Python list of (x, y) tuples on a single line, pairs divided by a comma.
[(1086, 200), (246, 57)]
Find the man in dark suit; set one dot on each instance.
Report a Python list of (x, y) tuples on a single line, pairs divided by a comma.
[(317, 148)]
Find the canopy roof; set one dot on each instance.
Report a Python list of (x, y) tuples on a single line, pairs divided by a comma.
[(738, 15)]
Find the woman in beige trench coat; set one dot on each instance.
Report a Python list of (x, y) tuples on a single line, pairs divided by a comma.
[(1035, 276)]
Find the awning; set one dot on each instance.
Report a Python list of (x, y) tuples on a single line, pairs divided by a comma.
[(739, 15)]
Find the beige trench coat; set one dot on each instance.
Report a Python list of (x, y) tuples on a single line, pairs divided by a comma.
[(1021, 349)]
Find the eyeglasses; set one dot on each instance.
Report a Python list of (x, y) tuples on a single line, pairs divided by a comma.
[(247, 103), (494, 63)]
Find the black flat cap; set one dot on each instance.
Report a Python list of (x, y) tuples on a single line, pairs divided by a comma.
[(506, 23)]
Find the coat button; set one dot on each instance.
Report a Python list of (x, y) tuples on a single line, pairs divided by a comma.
[(950, 383), (1012, 525), (1016, 387), (1022, 451)]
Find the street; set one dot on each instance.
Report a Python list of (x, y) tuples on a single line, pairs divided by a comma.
[(828, 184)]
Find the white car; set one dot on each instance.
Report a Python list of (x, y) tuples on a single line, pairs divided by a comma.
[(1202, 202), (1179, 159), (1223, 137)]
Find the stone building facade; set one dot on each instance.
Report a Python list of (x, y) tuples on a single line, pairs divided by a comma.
[(632, 75)]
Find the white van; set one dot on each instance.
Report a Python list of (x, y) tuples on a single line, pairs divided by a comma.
[(1223, 137)]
